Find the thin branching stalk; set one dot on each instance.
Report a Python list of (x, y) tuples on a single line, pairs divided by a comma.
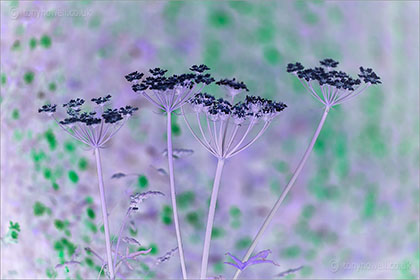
[(210, 218), (104, 213), (173, 195), (285, 191)]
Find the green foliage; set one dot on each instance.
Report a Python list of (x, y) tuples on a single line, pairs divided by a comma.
[(243, 243), (185, 199), (73, 176), (28, 77), (45, 41), (39, 209), (142, 182), (90, 213)]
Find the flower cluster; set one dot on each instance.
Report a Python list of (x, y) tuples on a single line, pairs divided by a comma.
[(169, 92), (336, 86), (253, 107), (233, 86), (229, 125), (92, 128)]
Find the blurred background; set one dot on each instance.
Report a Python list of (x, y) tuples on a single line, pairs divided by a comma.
[(354, 211)]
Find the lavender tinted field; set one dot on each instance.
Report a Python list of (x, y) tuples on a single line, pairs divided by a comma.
[(353, 211)]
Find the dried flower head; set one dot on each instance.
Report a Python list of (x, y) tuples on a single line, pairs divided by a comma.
[(233, 87), (138, 198), (169, 92), (226, 126), (335, 87), (94, 128)]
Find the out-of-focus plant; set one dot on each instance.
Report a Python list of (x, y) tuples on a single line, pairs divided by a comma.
[(331, 88), (169, 93)]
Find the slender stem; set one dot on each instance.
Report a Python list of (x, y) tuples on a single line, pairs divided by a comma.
[(104, 213), (210, 218), (285, 191), (173, 196)]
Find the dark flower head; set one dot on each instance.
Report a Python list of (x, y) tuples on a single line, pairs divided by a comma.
[(48, 108), (134, 76), (101, 100), (112, 116), (233, 83), (336, 87), (328, 62), (128, 110), (73, 103), (369, 76), (199, 69), (294, 67), (157, 71)]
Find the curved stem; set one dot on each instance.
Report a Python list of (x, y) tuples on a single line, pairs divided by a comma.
[(104, 213), (210, 218), (119, 238), (173, 195), (285, 191)]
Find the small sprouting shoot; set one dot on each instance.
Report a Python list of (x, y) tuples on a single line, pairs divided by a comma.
[(94, 128), (289, 271), (178, 153), (169, 93), (332, 87), (260, 257), (226, 129), (138, 198)]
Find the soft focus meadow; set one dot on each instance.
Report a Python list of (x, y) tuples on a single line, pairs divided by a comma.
[(354, 211)]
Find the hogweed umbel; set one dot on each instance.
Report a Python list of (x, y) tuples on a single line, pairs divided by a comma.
[(169, 93), (95, 129), (331, 88), (226, 130)]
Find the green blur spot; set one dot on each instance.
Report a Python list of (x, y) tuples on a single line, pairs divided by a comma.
[(39, 209), (291, 252), (15, 114), (16, 46), (83, 164), (28, 77), (50, 137), (335, 14), (272, 55), (175, 127), (308, 211), (219, 19), (243, 243), (45, 41), (172, 9), (14, 235), (32, 43), (218, 267), (47, 173), (95, 21), (90, 225), (3, 79), (281, 166), (52, 86), (59, 224), (194, 219), (167, 215), (185, 199), (155, 249), (142, 182), (90, 213), (310, 18), (212, 52), (242, 7), (89, 262), (69, 147), (235, 224), (89, 200), (306, 271), (265, 33), (217, 233), (369, 205), (51, 273), (73, 176), (235, 212)]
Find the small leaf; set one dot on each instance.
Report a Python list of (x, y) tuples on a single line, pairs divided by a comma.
[(118, 175)]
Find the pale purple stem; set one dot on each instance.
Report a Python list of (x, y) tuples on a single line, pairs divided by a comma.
[(173, 195), (120, 235), (104, 213), (285, 191), (210, 218)]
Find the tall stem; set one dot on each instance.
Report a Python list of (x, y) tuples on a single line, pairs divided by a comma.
[(104, 213), (210, 218), (285, 191), (173, 195)]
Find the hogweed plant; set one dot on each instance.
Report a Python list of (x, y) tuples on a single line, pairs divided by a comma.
[(169, 93), (331, 88), (95, 129), (226, 130)]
